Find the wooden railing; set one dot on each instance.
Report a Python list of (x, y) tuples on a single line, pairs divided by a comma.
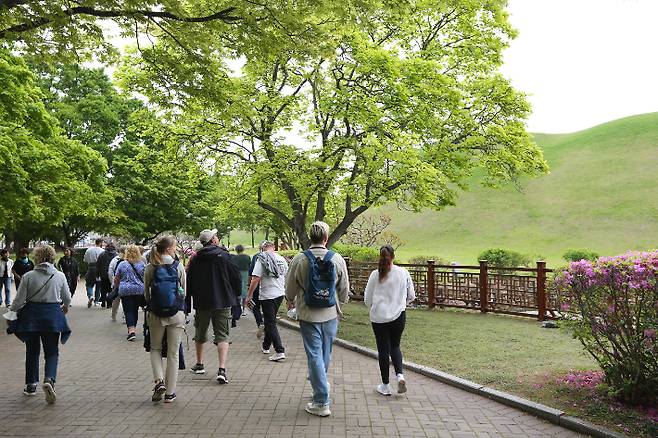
[(515, 291)]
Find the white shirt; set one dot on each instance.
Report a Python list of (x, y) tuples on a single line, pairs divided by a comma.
[(91, 255), (6, 267), (271, 287), (389, 298)]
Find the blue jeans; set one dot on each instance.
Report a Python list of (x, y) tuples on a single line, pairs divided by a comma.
[(6, 283), (318, 342), (33, 341), (131, 305)]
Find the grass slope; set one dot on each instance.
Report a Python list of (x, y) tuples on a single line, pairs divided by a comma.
[(601, 194)]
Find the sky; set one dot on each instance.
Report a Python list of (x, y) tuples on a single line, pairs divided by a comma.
[(584, 62)]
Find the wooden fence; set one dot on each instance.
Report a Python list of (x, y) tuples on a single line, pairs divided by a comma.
[(515, 291)]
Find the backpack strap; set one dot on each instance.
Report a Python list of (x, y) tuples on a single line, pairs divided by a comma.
[(328, 256), (309, 256)]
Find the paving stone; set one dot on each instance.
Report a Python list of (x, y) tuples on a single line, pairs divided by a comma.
[(104, 387)]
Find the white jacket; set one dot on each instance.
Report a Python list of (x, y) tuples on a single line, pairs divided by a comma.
[(389, 298), (6, 266)]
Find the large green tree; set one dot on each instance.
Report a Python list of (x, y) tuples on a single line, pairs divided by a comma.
[(402, 103), (45, 176)]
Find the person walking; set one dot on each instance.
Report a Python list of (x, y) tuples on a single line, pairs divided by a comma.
[(111, 272), (255, 302), (270, 274), (129, 278), (213, 287), (92, 280), (69, 266), (42, 300), (103, 265), (318, 283), (164, 290), (243, 261), (6, 266), (22, 266), (388, 291)]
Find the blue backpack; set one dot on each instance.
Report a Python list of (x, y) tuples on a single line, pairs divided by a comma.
[(165, 300), (321, 286)]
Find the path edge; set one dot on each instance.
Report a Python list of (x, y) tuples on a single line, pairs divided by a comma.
[(552, 415)]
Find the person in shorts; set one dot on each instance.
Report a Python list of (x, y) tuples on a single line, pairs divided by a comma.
[(213, 287)]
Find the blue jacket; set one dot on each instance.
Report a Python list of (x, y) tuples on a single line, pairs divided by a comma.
[(42, 317)]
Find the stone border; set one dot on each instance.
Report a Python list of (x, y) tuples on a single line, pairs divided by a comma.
[(553, 415)]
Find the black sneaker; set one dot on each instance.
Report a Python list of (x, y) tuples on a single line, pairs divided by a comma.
[(49, 390), (198, 369), (221, 377), (131, 337), (169, 398), (90, 302), (158, 391), (30, 389)]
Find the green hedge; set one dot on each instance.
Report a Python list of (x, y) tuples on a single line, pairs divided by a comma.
[(576, 255), (504, 258), (356, 252)]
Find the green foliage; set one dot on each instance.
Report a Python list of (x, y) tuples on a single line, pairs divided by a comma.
[(504, 258), (422, 260), (615, 306), (288, 253), (575, 255), (357, 253), (400, 109)]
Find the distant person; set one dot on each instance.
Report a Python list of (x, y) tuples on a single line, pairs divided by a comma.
[(243, 261), (255, 302), (111, 273), (129, 278), (6, 266), (270, 274), (103, 265), (387, 294), (43, 298), (92, 279), (164, 290), (69, 266), (22, 266), (317, 298), (213, 287)]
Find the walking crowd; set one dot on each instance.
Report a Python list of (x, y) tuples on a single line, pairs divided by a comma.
[(218, 287)]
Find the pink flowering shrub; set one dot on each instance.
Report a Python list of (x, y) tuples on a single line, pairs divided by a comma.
[(613, 304)]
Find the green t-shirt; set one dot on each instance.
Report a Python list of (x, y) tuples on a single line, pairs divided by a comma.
[(243, 261)]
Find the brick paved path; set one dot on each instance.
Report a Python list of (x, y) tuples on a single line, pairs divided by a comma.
[(104, 389)]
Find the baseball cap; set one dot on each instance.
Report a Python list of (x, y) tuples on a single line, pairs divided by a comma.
[(265, 243), (206, 235)]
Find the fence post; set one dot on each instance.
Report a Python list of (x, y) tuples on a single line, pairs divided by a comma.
[(431, 292), (484, 286), (541, 290)]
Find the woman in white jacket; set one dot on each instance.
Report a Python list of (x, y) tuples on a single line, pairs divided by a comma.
[(387, 294)]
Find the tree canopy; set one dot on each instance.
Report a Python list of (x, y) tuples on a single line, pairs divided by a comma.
[(403, 103)]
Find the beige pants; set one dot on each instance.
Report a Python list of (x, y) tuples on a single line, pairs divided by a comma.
[(115, 308), (174, 337)]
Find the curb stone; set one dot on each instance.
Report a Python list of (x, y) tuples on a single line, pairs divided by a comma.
[(552, 415)]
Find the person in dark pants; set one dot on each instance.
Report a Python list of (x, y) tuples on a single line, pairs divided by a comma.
[(69, 266), (92, 279), (43, 299), (387, 294), (129, 278), (270, 273), (102, 267), (22, 266), (255, 306)]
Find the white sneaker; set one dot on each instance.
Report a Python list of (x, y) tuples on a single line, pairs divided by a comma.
[(244, 313), (319, 410), (277, 357), (264, 351), (384, 389), (402, 384)]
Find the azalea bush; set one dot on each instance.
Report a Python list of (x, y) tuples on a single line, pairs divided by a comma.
[(613, 304)]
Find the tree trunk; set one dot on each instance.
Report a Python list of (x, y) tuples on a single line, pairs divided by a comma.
[(253, 243)]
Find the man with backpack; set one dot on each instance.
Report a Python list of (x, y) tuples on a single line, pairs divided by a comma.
[(213, 287), (317, 282)]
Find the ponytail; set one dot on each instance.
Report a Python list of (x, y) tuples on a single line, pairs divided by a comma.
[(386, 256), (158, 250)]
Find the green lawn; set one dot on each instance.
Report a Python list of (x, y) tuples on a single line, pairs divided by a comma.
[(492, 350), (512, 354), (601, 194)]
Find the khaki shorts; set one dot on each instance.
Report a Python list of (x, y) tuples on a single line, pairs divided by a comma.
[(220, 325)]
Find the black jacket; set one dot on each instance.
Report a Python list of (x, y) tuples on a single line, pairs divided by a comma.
[(213, 281), (103, 262)]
